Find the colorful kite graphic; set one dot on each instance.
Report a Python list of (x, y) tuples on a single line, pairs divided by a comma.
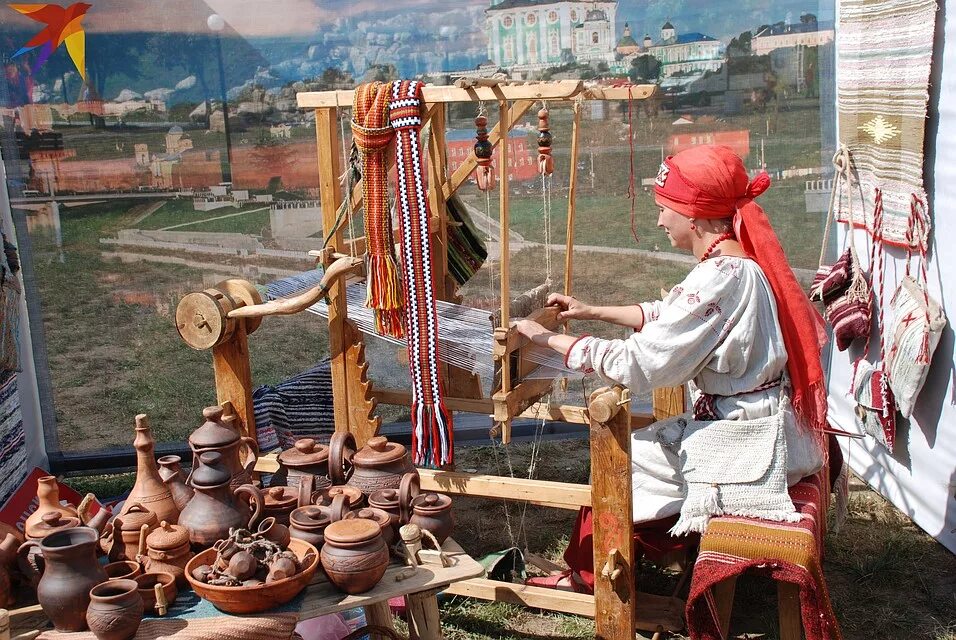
[(62, 25)]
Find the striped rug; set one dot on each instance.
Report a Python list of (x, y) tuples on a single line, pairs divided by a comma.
[(13, 450), (884, 53)]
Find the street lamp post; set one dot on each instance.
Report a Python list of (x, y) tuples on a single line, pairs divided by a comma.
[(216, 24)]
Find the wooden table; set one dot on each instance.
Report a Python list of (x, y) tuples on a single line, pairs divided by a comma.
[(419, 587)]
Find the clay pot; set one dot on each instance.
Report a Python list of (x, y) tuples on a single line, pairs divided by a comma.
[(380, 464), (215, 507), (121, 541), (432, 511), (48, 494), (219, 433), (308, 524), (354, 497), (51, 522), (149, 491), (115, 611), (305, 457), (171, 472), (8, 559), (383, 518), (354, 555), (168, 551), (279, 502), (123, 570), (273, 530), (69, 571), (146, 585)]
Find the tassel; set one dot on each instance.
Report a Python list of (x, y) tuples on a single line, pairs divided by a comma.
[(711, 500), (432, 435), (384, 295)]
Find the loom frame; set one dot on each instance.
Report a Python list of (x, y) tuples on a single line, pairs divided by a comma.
[(618, 610)]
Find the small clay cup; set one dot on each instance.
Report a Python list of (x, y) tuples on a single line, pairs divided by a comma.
[(123, 570), (147, 589), (270, 529), (115, 610)]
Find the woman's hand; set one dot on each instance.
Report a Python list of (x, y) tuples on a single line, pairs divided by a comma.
[(530, 329), (571, 308)]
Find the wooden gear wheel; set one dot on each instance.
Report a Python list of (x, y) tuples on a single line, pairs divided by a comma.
[(202, 316)]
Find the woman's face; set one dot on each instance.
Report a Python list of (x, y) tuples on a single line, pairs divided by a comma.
[(676, 226)]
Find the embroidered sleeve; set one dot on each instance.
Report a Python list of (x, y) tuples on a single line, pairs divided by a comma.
[(674, 347), (652, 311)]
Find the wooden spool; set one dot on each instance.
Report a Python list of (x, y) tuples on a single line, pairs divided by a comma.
[(202, 317)]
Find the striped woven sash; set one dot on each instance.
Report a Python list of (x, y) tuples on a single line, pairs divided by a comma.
[(432, 438), (371, 134)]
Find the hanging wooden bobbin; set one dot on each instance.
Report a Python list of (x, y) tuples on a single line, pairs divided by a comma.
[(545, 161), (484, 174)]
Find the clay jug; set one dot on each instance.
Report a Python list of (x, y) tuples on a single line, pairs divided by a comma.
[(149, 490), (354, 555), (380, 464), (70, 570), (215, 507), (96, 521), (167, 551), (220, 433), (171, 471), (48, 494), (115, 610)]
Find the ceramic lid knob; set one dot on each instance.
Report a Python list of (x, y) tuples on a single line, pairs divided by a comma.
[(305, 445)]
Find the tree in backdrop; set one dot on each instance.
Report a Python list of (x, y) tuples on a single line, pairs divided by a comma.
[(740, 45), (271, 155), (645, 67)]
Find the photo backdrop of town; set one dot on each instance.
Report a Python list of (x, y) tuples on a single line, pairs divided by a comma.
[(136, 186)]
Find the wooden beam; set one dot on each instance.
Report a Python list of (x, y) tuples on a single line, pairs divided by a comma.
[(634, 92), (654, 612), (611, 497), (668, 402), (230, 363), (572, 191), (563, 495), (504, 220), (430, 94)]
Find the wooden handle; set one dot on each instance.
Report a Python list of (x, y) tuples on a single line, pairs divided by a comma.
[(605, 403), (162, 605), (143, 532)]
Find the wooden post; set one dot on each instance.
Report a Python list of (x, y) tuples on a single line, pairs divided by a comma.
[(423, 616), (230, 364), (614, 588), (504, 219), (724, 600), (788, 610), (668, 402), (572, 191), (380, 615)]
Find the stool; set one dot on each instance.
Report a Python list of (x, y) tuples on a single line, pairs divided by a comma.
[(790, 553)]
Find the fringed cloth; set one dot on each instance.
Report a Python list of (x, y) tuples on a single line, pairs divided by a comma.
[(371, 134), (432, 437), (788, 552), (278, 626)]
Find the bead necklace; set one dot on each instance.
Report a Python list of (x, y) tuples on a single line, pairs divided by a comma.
[(727, 235)]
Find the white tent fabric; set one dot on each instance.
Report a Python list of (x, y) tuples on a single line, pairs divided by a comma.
[(920, 476)]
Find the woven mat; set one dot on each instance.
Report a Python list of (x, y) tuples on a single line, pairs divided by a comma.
[(883, 90)]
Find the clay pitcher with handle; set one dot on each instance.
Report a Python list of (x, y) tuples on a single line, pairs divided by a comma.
[(69, 570), (149, 490)]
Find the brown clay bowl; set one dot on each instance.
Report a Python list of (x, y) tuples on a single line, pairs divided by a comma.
[(147, 583), (123, 569), (260, 597)]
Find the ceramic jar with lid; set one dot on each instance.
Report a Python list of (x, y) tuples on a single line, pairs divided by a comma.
[(432, 511), (305, 457), (354, 498), (219, 433), (51, 522), (279, 502), (354, 555), (121, 540), (168, 551), (383, 519), (380, 464), (309, 524), (387, 500)]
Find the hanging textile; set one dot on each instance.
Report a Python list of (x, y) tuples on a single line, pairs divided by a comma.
[(432, 439), (466, 249), (371, 134), (882, 114)]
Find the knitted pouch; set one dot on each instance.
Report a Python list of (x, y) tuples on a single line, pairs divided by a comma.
[(919, 324), (719, 480), (875, 406)]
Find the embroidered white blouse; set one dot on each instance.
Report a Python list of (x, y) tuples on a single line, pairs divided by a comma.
[(718, 329)]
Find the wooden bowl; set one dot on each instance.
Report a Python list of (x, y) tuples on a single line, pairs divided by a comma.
[(260, 597)]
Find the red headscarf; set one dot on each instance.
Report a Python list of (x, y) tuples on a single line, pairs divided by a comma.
[(710, 182)]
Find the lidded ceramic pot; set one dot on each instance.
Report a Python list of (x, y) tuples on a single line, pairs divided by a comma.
[(354, 498), (121, 540), (309, 524), (168, 551), (305, 457), (383, 519), (51, 522), (279, 502), (220, 433), (432, 511), (388, 501), (380, 464), (354, 555)]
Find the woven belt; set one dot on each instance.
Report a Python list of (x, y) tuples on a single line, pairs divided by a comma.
[(705, 408)]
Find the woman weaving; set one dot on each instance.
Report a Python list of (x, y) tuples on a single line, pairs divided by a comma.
[(740, 329)]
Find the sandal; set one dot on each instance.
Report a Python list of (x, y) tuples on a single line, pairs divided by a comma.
[(554, 581)]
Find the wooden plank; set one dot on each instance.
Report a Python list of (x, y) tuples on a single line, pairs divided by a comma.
[(611, 500), (572, 192), (724, 599), (532, 91), (654, 612), (788, 610), (509, 404), (563, 495), (504, 221), (230, 363), (330, 197), (668, 402), (458, 178), (634, 92)]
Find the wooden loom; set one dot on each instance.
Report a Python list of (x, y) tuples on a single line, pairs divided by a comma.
[(222, 317)]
